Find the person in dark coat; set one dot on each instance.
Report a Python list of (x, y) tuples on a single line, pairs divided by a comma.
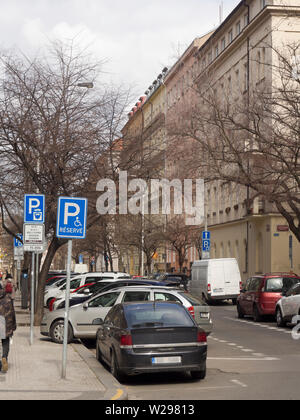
[(7, 325)]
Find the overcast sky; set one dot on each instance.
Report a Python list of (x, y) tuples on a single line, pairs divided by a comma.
[(137, 38)]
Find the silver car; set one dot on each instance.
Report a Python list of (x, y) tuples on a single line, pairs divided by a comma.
[(84, 318), (288, 306)]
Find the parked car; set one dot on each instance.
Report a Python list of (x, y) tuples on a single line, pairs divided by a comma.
[(147, 337), (261, 294), (288, 306), (178, 279), (57, 288), (84, 293), (216, 279), (82, 316)]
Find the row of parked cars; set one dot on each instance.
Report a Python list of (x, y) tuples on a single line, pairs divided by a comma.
[(275, 294), (140, 325)]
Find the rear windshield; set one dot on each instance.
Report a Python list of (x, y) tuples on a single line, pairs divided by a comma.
[(192, 299), (280, 284), (158, 315)]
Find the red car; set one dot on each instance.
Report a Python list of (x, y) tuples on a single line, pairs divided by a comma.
[(261, 293)]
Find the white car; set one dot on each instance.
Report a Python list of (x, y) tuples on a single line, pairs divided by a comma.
[(58, 289), (83, 318), (288, 306)]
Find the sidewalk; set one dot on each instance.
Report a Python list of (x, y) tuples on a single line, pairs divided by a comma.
[(35, 371)]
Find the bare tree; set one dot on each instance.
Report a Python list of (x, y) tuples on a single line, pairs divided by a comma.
[(52, 134), (252, 139)]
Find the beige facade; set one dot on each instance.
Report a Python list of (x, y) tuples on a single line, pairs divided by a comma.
[(238, 57)]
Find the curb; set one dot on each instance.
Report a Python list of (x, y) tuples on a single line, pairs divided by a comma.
[(114, 390)]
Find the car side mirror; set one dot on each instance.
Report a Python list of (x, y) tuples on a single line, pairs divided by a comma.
[(98, 321), (86, 292), (85, 306)]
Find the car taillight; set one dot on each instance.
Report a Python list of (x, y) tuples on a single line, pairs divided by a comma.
[(209, 288), (201, 337), (192, 311), (126, 340), (51, 303)]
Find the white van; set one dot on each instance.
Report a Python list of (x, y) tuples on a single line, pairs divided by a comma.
[(216, 279)]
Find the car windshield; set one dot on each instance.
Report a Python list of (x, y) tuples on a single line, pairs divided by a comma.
[(280, 284), (157, 315)]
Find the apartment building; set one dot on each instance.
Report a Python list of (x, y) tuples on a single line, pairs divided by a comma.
[(236, 57)]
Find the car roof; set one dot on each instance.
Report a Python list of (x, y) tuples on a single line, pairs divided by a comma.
[(147, 287)]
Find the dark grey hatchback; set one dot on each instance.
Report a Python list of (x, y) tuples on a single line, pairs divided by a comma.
[(147, 337)]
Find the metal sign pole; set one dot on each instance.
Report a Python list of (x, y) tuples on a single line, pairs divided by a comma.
[(32, 299), (67, 307)]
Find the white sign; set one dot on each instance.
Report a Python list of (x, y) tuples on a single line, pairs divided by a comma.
[(34, 237)]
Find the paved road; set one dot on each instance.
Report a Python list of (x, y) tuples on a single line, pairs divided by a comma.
[(246, 360)]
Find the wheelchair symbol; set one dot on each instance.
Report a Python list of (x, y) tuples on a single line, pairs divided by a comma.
[(77, 223)]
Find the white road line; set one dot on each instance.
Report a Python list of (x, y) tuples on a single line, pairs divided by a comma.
[(235, 381)]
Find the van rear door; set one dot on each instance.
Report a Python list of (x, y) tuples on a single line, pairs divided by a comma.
[(216, 279), (232, 278)]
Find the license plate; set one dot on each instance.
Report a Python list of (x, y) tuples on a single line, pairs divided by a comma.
[(204, 315), (166, 360)]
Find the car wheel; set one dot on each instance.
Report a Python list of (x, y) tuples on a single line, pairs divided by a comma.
[(234, 301), (57, 332), (98, 353), (279, 318), (240, 311), (256, 315), (198, 374), (114, 368)]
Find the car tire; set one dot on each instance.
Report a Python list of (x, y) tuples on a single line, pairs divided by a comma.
[(114, 368), (240, 312), (57, 332), (279, 318), (198, 374), (256, 315), (98, 353)]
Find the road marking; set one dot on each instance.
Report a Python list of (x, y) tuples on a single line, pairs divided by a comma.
[(118, 394), (235, 381)]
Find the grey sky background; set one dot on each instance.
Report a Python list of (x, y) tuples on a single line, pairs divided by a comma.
[(136, 38)]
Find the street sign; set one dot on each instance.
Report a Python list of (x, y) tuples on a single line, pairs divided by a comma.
[(71, 218), (18, 248), (34, 208), (70, 224), (206, 245), (17, 242), (205, 235), (34, 237)]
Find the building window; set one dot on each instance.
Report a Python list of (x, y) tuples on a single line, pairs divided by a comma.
[(262, 4), (238, 28), (246, 20), (216, 51), (223, 44), (209, 57), (230, 36)]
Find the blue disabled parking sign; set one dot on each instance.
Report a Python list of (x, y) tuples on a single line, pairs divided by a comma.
[(71, 218)]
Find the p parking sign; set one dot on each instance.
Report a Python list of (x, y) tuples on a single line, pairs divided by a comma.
[(34, 208), (71, 218)]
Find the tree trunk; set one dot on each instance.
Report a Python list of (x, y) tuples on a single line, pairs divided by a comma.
[(55, 244)]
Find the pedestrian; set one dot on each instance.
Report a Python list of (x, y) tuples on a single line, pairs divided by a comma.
[(9, 285), (7, 326)]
